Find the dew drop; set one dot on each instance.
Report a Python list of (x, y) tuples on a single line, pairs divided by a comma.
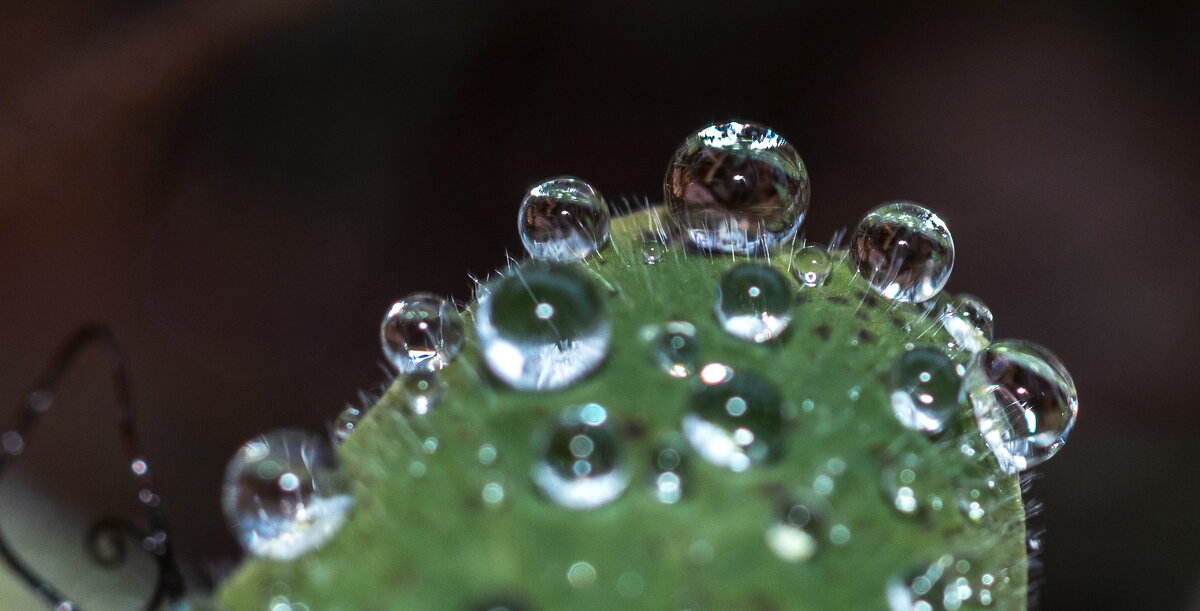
[(579, 462), (283, 494), (668, 473), (903, 484), (736, 423), (487, 454), (946, 583), (421, 332), (423, 392), (543, 327), (1024, 400), (791, 536), (563, 219), (925, 390), (737, 187), (753, 302), (811, 265), (581, 575), (969, 322), (346, 422), (653, 251), (904, 251), (674, 348)]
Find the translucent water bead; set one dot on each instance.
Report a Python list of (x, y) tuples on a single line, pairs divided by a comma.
[(904, 251), (969, 322), (925, 389), (737, 187), (542, 327), (563, 219), (283, 494), (421, 332), (754, 302), (735, 419), (1024, 400), (811, 265), (580, 465)]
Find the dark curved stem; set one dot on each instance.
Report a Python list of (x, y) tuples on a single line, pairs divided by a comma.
[(156, 539)]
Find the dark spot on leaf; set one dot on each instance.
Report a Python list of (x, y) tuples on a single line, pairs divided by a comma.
[(823, 332), (866, 336), (838, 299)]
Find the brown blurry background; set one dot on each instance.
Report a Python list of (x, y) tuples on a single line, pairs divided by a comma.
[(240, 187)]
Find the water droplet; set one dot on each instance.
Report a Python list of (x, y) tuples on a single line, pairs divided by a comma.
[(904, 251), (946, 583), (925, 390), (791, 536), (969, 322), (839, 534), (811, 265), (493, 493), (754, 302), (630, 585), (581, 575), (487, 454), (737, 187), (563, 219), (543, 327), (736, 423), (653, 251), (903, 483), (674, 347), (345, 423), (12, 442), (421, 332), (283, 494), (423, 392), (668, 472), (1024, 400), (580, 465)]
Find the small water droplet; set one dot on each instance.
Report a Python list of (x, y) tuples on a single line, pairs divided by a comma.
[(543, 327), (674, 348), (630, 585), (945, 584), (736, 423), (811, 265), (423, 392), (969, 322), (791, 536), (283, 494), (1024, 401), (903, 483), (925, 390), (668, 473), (754, 302), (839, 534), (421, 332), (346, 422), (737, 187), (487, 454), (13, 443), (653, 251), (493, 493), (563, 219), (701, 552), (581, 575), (580, 464), (904, 251)]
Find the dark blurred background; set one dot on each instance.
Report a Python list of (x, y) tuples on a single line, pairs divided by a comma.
[(241, 187)]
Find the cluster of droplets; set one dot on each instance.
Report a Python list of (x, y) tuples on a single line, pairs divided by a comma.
[(546, 326)]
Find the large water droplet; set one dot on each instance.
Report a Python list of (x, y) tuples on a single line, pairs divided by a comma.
[(736, 422), (580, 464), (1025, 402), (754, 302), (563, 219), (947, 583), (792, 535), (674, 347), (904, 251), (421, 332), (283, 494), (969, 322), (925, 390), (811, 265), (543, 327), (737, 187)]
